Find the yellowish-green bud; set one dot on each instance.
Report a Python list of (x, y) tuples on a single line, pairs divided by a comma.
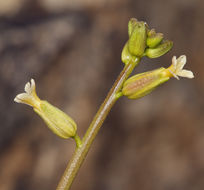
[(159, 50), (151, 32), (131, 24), (154, 40), (126, 56), (137, 39), (58, 121), (142, 84)]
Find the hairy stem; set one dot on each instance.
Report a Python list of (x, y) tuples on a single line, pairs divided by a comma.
[(82, 150)]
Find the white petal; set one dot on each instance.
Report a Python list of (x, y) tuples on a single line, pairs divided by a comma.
[(29, 97), (22, 96), (181, 61), (17, 100), (174, 62), (27, 88), (186, 73), (32, 85)]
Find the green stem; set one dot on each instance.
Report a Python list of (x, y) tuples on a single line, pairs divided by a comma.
[(81, 152), (118, 95), (77, 140)]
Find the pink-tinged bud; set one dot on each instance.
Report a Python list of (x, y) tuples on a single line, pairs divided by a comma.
[(142, 84)]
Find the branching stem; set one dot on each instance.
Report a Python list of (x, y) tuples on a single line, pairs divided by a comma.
[(82, 150)]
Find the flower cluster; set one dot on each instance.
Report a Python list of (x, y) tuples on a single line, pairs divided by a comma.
[(142, 42)]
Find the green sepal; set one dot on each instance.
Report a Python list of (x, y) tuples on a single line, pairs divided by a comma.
[(151, 32), (57, 121), (159, 50), (126, 56), (137, 39), (154, 40), (142, 84), (131, 24)]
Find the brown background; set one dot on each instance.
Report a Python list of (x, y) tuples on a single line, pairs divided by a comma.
[(72, 50)]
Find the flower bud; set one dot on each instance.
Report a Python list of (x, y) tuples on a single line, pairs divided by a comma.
[(131, 25), (58, 121), (154, 40), (159, 50), (126, 56), (137, 39), (142, 84), (151, 32)]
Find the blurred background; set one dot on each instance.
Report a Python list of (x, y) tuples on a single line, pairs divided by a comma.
[(72, 49)]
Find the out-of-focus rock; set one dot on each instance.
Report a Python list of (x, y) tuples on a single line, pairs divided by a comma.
[(63, 5), (10, 7)]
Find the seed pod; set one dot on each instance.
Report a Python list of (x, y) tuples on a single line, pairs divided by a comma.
[(137, 39), (142, 84), (154, 40), (159, 50)]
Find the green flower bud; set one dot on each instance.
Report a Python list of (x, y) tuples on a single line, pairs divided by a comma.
[(159, 50), (58, 121), (137, 39), (154, 40), (131, 25), (151, 32), (126, 56), (142, 84)]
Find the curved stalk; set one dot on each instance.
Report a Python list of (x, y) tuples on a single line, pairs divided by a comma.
[(82, 150)]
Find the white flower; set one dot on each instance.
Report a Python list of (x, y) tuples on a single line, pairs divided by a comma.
[(29, 97), (176, 69), (58, 121)]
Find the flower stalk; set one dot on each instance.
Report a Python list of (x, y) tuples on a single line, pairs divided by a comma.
[(81, 152)]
